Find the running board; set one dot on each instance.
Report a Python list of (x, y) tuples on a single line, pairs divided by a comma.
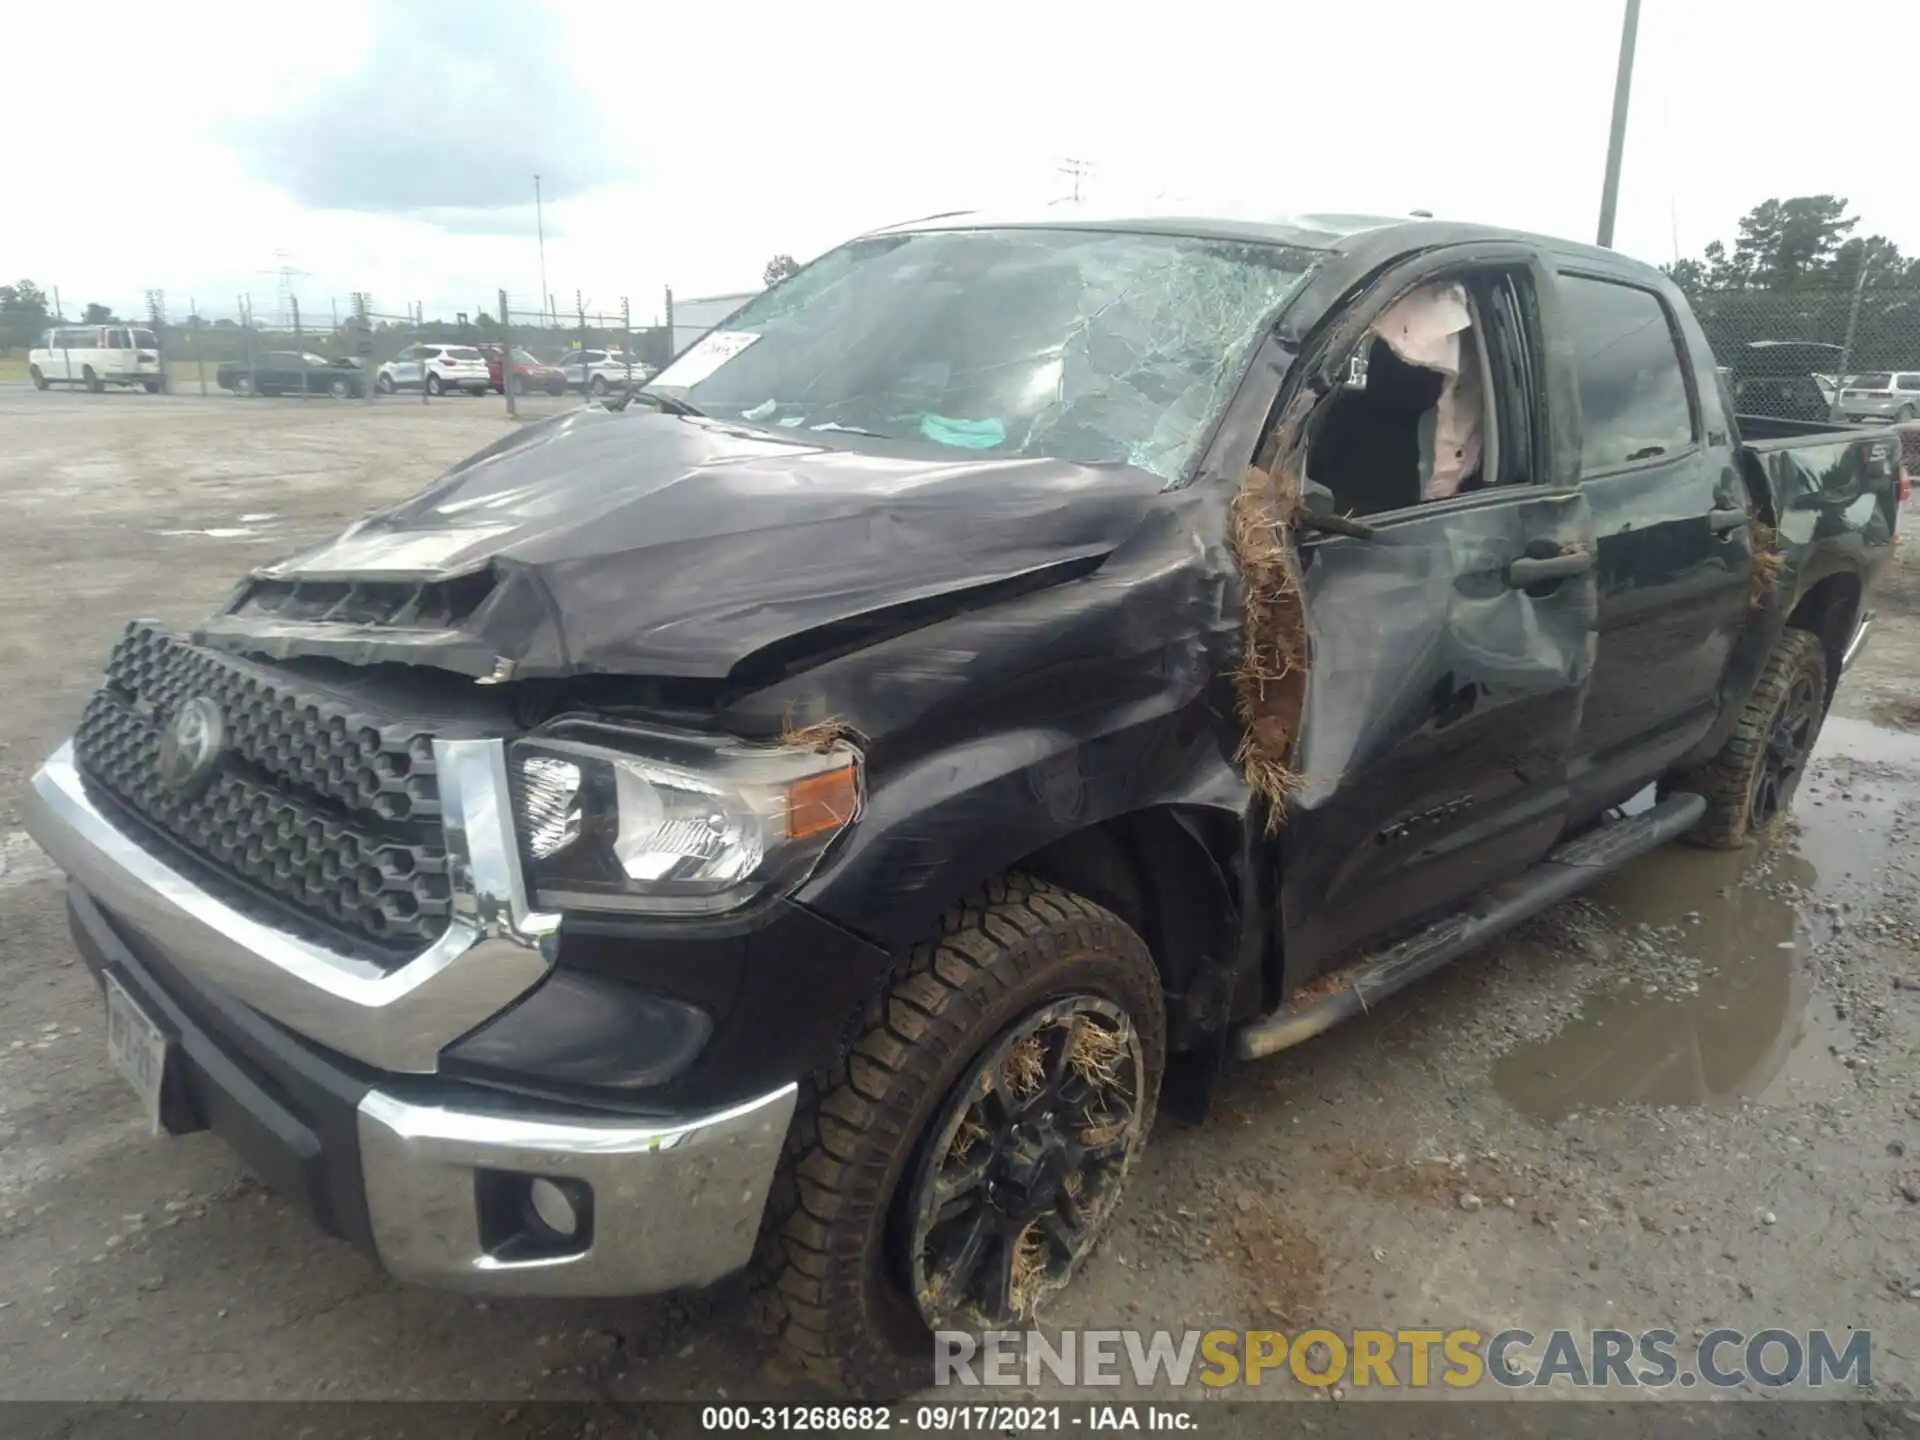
[(1569, 869)]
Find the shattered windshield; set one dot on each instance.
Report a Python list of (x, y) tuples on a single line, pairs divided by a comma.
[(1091, 346)]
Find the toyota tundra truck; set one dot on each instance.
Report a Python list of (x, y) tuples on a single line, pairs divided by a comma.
[(809, 813)]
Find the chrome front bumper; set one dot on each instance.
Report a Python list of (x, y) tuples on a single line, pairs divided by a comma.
[(675, 1203)]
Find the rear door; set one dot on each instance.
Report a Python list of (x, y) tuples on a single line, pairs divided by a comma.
[(1672, 516), (119, 361), (1451, 655)]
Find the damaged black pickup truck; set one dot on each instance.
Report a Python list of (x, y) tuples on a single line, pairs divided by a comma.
[(816, 811)]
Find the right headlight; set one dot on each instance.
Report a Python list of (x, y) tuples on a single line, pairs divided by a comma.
[(616, 819)]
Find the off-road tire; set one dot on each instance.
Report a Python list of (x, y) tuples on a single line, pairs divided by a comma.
[(1729, 779), (829, 1245)]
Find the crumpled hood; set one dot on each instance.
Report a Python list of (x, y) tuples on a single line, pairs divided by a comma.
[(643, 543)]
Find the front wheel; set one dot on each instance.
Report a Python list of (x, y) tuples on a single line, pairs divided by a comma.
[(1749, 785), (40, 382), (94, 382), (598, 386), (969, 1148), (557, 388), (433, 384), (152, 387), (383, 385), (339, 389)]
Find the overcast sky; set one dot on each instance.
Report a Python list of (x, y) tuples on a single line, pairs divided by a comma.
[(392, 147)]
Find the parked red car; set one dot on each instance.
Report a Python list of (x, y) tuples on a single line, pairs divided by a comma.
[(528, 373)]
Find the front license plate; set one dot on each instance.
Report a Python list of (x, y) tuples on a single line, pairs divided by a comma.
[(137, 1049)]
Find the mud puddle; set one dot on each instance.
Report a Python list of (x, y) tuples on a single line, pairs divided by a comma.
[(1715, 1000)]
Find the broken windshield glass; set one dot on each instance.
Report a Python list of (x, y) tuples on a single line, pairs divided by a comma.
[(1092, 346)]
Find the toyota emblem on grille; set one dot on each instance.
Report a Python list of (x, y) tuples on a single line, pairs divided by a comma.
[(190, 746)]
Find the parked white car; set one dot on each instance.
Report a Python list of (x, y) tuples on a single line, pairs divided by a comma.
[(599, 371), (435, 368), (96, 356), (1882, 395)]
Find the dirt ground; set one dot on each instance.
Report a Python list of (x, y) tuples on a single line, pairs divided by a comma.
[(1688, 1099)]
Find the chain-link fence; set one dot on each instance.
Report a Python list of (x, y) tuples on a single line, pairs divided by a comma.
[(528, 352), (1819, 353)]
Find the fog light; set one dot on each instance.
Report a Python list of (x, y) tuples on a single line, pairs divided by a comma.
[(554, 1207)]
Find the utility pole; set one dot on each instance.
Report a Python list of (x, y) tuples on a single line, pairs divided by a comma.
[(540, 226), (1617, 139), (1075, 170)]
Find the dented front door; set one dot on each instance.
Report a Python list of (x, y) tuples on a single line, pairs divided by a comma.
[(1451, 656)]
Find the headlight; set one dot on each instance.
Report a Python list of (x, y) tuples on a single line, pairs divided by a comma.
[(615, 819)]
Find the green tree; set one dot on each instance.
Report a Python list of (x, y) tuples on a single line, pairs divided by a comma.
[(778, 269), (1784, 243), (96, 314), (24, 313)]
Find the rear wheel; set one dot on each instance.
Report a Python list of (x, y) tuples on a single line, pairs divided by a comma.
[(1749, 786), (243, 384), (970, 1147), (1904, 416), (40, 381)]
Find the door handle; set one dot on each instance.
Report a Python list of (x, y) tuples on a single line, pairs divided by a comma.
[(1723, 518), (1528, 571)]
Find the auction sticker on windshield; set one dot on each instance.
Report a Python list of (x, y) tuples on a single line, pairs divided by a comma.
[(704, 356)]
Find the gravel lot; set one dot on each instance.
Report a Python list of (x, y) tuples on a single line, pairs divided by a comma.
[(1687, 1100)]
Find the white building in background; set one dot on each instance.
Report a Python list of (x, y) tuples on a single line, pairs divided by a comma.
[(695, 317)]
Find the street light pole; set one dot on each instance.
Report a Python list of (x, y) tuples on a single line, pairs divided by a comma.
[(540, 225), (1616, 141)]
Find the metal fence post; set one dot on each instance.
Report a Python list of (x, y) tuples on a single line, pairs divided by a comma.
[(580, 307), (246, 338), (363, 343), (299, 340), (507, 382), (626, 338), (199, 345)]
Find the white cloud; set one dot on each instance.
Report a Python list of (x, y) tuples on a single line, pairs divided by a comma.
[(761, 127)]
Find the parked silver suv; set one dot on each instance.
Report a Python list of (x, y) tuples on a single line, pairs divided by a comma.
[(1882, 395)]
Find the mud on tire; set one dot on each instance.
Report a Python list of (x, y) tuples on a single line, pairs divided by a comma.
[(836, 1242), (1746, 790)]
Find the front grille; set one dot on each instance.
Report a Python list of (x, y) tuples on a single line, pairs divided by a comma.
[(317, 806)]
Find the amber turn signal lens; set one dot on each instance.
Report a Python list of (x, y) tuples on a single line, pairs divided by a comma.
[(822, 802)]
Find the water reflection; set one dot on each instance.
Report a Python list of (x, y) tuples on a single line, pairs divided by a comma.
[(1752, 921)]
